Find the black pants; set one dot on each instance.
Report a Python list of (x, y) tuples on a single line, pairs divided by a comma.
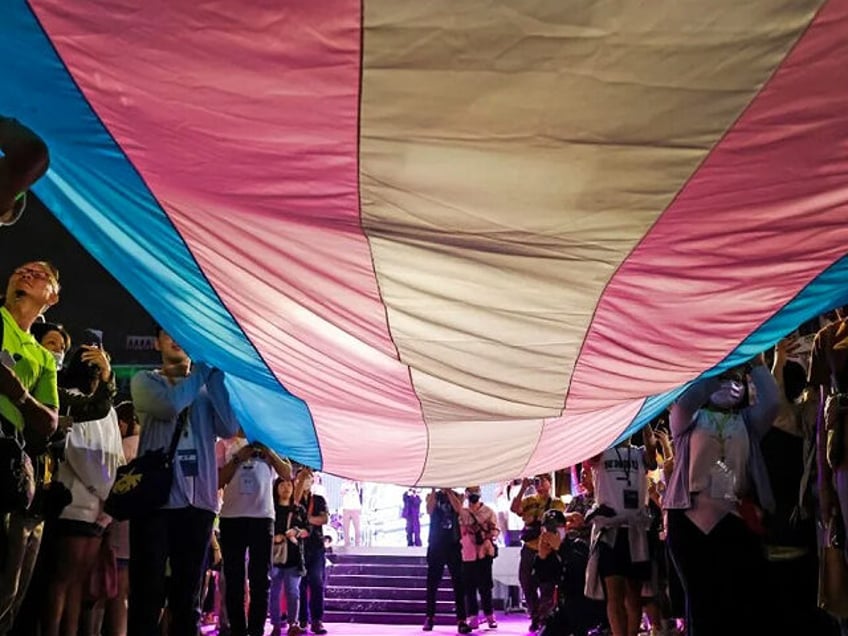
[(243, 536), (312, 586), (529, 582), (437, 558), (477, 577), (723, 575), (180, 536)]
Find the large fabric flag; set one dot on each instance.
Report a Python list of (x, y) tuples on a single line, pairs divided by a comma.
[(449, 242)]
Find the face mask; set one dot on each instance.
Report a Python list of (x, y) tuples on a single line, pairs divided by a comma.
[(473, 498), (60, 359), (728, 395)]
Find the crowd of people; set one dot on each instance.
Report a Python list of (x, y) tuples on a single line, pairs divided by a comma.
[(723, 516)]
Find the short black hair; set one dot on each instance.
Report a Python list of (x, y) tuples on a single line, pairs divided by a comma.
[(125, 411), (41, 329)]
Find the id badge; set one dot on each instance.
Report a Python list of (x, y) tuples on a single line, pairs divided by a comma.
[(722, 482), (188, 462), (248, 484), (631, 499)]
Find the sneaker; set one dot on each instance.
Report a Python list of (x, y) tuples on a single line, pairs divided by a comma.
[(276, 631), (428, 624), (474, 623), (318, 628), (463, 628), (493, 624), (295, 630), (535, 626)]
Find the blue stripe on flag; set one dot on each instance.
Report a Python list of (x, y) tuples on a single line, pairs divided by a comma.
[(94, 190)]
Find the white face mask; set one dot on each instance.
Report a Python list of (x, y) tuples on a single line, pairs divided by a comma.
[(60, 359), (729, 394)]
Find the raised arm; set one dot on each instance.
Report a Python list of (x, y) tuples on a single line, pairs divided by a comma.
[(761, 415), (25, 159), (454, 499), (650, 447), (431, 502), (516, 505), (165, 401), (683, 411), (225, 422)]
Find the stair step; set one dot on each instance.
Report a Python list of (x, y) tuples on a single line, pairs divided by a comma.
[(385, 606), (374, 569), (388, 618), (378, 559), (357, 580), (398, 594)]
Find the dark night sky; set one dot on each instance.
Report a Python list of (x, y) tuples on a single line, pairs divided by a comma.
[(90, 296)]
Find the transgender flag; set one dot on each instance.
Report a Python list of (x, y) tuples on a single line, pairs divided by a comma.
[(447, 242)]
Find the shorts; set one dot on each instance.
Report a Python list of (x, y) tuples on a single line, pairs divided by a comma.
[(615, 560), (76, 528)]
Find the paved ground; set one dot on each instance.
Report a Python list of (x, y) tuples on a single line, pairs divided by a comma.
[(512, 625)]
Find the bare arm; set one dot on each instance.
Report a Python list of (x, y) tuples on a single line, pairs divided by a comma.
[(38, 417), (650, 448), (453, 498), (228, 470), (516, 505), (281, 466)]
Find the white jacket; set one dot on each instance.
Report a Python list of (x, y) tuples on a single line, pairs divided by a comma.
[(93, 453)]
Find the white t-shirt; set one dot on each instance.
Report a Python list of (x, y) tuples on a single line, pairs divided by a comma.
[(621, 480), (503, 506), (350, 496), (250, 492)]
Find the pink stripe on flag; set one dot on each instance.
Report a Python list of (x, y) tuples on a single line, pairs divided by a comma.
[(579, 435), (762, 217), (242, 119)]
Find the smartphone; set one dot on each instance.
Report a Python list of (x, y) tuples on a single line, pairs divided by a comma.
[(6, 359)]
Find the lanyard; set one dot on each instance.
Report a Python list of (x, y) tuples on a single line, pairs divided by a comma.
[(720, 424), (625, 465)]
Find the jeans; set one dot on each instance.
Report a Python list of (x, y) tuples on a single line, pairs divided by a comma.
[(23, 540), (241, 535), (437, 558), (477, 577), (288, 578), (312, 588), (182, 537)]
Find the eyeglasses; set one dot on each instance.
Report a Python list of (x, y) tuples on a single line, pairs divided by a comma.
[(37, 274)]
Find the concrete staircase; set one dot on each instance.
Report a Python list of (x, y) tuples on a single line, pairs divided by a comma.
[(386, 589)]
